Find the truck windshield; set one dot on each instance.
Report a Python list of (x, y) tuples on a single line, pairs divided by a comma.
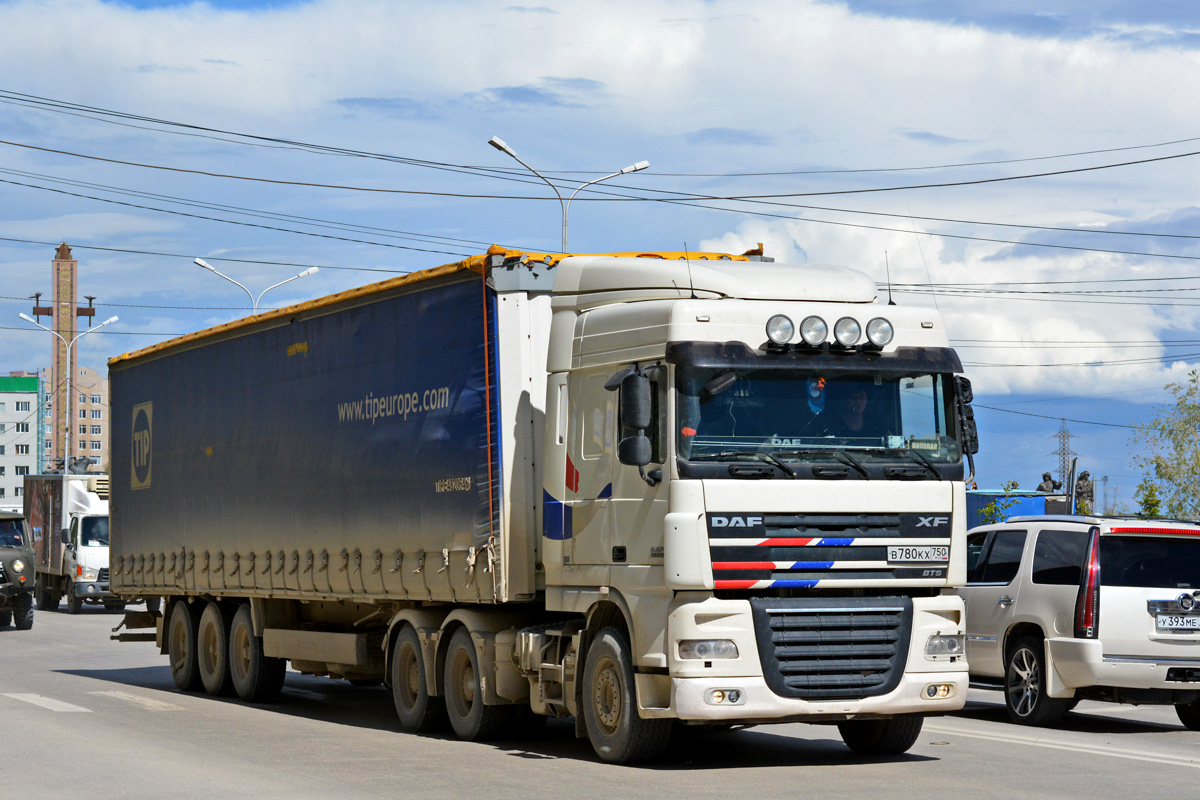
[(94, 532), (12, 533), (845, 417)]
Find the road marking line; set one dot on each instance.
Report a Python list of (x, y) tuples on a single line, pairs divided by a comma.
[(145, 702), (46, 702), (1077, 748)]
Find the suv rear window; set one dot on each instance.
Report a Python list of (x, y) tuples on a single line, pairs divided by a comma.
[(1058, 557), (1150, 562), (1004, 557)]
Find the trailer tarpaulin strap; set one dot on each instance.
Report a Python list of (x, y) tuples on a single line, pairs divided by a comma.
[(487, 393)]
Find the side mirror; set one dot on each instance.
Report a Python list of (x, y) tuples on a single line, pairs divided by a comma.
[(634, 450), (970, 433), (635, 401), (66, 537), (965, 394)]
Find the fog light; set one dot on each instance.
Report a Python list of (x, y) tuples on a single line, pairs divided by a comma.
[(880, 332), (813, 331), (707, 649), (780, 329), (91, 588), (939, 691), (941, 645), (847, 331), (725, 697)]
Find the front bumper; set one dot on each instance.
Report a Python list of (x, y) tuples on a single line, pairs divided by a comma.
[(14, 589), (88, 589), (1082, 662), (763, 705)]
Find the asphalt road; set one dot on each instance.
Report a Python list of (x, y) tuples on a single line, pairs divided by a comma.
[(81, 716)]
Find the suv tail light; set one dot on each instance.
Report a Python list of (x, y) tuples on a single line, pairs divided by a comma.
[(1087, 604)]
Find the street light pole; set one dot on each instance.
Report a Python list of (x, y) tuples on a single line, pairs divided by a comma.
[(69, 390), (500, 145), (200, 262)]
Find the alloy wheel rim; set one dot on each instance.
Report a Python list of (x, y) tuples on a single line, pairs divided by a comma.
[(1024, 682)]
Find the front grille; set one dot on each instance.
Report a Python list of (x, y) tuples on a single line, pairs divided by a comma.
[(103, 574), (832, 649), (804, 551)]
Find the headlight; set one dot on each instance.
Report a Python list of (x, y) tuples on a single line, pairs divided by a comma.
[(945, 645), (847, 331), (813, 331), (880, 332), (18, 565), (87, 574), (780, 329), (707, 649)]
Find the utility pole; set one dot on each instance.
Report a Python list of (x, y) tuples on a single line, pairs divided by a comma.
[(1064, 453), (1104, 490)]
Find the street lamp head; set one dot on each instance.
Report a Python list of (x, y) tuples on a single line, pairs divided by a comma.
[(309, 271), (638, 167), (200, 262), (27, 318), (107, 321), (499, 144)]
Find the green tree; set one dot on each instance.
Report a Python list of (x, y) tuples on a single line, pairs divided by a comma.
[(1149, 506), (997, 510), (1168, 452)]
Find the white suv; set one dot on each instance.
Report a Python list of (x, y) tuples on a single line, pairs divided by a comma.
[(1067, 608)]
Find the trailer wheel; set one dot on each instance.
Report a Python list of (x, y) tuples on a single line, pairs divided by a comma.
[(417, 710), (181, 646), (23, 612), (881, 737), (212, 651), (74, 601), (5, 617), (470, 717), (257, 678), (617, 732)]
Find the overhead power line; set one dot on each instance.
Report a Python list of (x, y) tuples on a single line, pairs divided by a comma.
[(1047, 416)]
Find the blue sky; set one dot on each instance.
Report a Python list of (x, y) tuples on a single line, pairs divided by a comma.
[(830, 93)]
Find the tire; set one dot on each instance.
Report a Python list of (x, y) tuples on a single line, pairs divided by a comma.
[(417, 710), (610, 713), (74, 602), (257, 678), (1189, 714), (6, 615), (181, 646), (46, 599), (23, 611), (109, 605), (1025, 686), (881, 737), (470, 717), (212, 651), (153, 604)]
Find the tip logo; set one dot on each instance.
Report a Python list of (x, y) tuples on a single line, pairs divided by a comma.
[(143, 418)]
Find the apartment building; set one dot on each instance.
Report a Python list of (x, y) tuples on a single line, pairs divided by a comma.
[(89, 419), (18, 437)]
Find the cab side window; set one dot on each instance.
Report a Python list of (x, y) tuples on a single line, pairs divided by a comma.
[(1003, 557), (1058, 557)]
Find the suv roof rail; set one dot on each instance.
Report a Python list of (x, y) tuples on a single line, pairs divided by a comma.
[(1096, 519)]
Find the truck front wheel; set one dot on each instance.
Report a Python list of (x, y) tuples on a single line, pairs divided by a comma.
[(881, 737), (23, 612), (610, 713), (418, 712), (470, 717), (212, 651), (257, 678), (181, 646), (74, 601)]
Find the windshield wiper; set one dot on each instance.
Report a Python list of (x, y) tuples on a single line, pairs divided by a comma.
[(845, 458), (755, 454), (917, 456)]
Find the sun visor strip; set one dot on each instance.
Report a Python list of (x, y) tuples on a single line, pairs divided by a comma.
[(902, 360)]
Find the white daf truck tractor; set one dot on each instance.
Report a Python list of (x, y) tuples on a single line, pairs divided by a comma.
[(643, 490)]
